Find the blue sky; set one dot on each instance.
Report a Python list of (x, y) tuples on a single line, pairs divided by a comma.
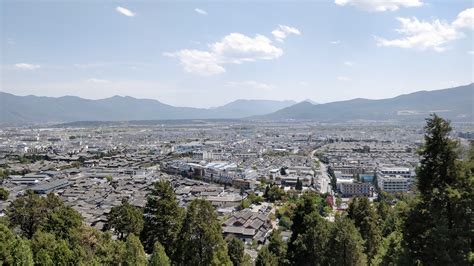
[(208, 53)]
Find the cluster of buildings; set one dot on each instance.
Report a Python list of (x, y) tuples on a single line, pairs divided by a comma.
[(92, 168)]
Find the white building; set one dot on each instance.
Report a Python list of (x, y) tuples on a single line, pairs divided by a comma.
[(393, 183), (395, 171)]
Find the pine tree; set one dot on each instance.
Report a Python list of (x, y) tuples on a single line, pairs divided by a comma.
[(200, 241), (365, 219), (345, 244), (163, 218), (125, 219), (438, 229), (235, 249), (7, 240), (266, 258), (311, 246), (277, 246), (134, 253), (159, 257), (299, 184), (390, 252)]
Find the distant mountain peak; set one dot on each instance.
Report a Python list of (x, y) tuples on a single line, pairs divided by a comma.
[(310, 101)]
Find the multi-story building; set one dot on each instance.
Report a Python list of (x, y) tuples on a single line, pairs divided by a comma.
[(395, 171), (356, 189), (393, 183)]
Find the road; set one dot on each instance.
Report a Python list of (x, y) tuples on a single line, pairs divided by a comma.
[(325, 180)]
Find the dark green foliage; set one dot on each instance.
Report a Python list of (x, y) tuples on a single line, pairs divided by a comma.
[(266, 258), (365, 219), (159, 257), (438, 230), (125, 219), (7, 238), (311, 246), (345, 244), (93, 247), (390, 253), (200, 240), (134, 253), (278, 247), (163, 218), (235, 249), (4, 194), (31, 213), (274, 193), (299, 184)]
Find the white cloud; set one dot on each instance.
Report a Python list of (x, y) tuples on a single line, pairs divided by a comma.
[(465, 19), (471, 52), (343, 78), (283, 31), (379, 5), (348, 63), (250, 84), (422, 35), (124, 11), (97, 81), (26, 66), (200, 11), (235, 48), (336, 42), (198, 62)]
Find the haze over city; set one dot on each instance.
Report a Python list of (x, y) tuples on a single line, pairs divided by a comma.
[(205, 54)]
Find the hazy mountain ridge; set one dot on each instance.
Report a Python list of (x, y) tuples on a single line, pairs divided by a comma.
[(453, 103), (35, 109)]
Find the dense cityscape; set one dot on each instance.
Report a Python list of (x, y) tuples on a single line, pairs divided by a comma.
[(255, 177)]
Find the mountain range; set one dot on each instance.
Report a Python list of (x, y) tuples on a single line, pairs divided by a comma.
[(35, 109), (453, 103)]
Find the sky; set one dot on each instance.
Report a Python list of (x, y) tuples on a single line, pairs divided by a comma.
[(208, 53)]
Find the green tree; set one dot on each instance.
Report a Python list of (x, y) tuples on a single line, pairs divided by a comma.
[(275, 193), (60, 218), (390, 252), (125, 219), (311, 246), (62, 255), (28, 213), (7, 240), (438, 230), (163, 218), (159, 257), (22, 254), (345, 244), (299, 184), (3, 193), (235, 249), (92, 247), (31, 213), (134, 253), (43, 245), (266, 258), (277, 246), (201, 241), (365, 219), (388, 219)]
